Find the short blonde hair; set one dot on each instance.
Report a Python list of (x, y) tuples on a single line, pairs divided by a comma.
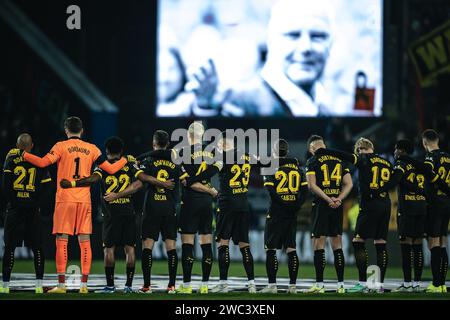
[(363, 143)]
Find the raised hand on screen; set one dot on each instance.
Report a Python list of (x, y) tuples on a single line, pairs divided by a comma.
[(207, 84)]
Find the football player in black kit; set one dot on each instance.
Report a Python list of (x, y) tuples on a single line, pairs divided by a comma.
[(438, 210), (288, 189), (119, 225), (330, 181), (435, 173), (196, 207), (412, 207), (25, 187), (233, 213), (159, 211), (375, 208)]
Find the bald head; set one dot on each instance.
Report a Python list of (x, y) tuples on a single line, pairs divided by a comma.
[(299, 38), (24, 142)]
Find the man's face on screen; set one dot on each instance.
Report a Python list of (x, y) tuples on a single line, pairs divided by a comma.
[(302, 43)]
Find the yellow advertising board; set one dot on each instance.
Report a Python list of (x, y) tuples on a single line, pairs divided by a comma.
[(431, 54)]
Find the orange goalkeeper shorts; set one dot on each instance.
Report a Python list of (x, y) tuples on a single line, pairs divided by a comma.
[(72, 218)]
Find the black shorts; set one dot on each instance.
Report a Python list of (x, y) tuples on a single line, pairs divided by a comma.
[(153, 225), (373, 219), (232, 225), (196, 216), (280, 232), (119, 231), (437, 219), (326, 221), (23, 226), (411, 226)]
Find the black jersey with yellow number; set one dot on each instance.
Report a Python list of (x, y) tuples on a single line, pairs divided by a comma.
[(329, 172), (116, 183), (23, 181), (374, 172), (439, 161), (234, 179), (160, 201), (199, 160), (285, 187), (410, 201)]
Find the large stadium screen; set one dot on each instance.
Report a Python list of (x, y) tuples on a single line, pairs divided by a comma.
[(268, 58)]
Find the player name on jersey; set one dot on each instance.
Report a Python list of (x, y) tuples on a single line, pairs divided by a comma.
[(78, 149)]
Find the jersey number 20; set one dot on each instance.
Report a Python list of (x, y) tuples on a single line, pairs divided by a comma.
[(289, 182)]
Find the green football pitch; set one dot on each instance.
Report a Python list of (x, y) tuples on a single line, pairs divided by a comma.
[(236, 269)]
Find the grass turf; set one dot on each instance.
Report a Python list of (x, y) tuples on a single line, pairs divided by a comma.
[(236, 269)]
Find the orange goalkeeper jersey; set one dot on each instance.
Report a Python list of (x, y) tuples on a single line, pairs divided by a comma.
[(75, 159)]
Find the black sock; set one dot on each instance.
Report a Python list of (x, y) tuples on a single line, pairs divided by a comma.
[(436, 265), (418, 262), (339, 264), (361, 260), (207, 261), (187, 261), (172, 260), (272, 266), (8, 263), (130, 276), (319, 264), (109, 272), (444, 265), (293, 265), (382, 259), (224, 261), (407, 256), (147, 261), (247, 260), (39, 263)]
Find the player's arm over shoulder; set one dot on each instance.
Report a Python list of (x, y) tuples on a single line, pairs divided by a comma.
[(84, 182), (45, 189), (143, 174), (104, 164), (268, 182), (45, 178), (303, 180), (399, 170), (429, 161), (7, 165), (210, 171), (51, 157), (310, 167), (343, 155), (7, 178)]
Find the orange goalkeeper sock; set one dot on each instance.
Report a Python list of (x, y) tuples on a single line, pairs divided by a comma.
[(61, 258), (86, 259)]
